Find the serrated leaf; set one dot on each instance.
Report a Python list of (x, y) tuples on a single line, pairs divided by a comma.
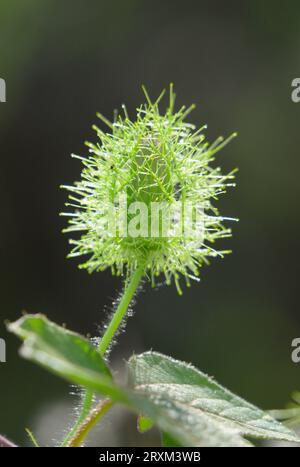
[(194, 409), (66, 354), (184, 403)]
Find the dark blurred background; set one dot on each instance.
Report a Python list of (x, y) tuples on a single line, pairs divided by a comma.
[(62, 62)]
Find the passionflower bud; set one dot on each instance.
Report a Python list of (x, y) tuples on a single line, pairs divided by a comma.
[(146, 196)]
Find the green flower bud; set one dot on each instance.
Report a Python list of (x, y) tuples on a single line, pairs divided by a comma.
[(146, 196)]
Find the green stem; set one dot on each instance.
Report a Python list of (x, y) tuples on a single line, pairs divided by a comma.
[(121, 310), (85, 410), (105, 341), (94, 417)]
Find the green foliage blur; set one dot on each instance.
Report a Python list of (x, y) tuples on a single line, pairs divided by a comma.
[(63, 62)]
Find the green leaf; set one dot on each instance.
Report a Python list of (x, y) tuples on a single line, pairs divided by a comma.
[(195, 410), (168, 442), (144, 424), (189, 407), (291, 414), (66, 354)]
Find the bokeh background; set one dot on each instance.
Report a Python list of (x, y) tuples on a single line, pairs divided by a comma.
[(62, 62)]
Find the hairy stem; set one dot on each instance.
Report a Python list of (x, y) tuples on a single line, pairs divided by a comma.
[(84, 412), (121, 310), (104, 344), (93, 418)]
